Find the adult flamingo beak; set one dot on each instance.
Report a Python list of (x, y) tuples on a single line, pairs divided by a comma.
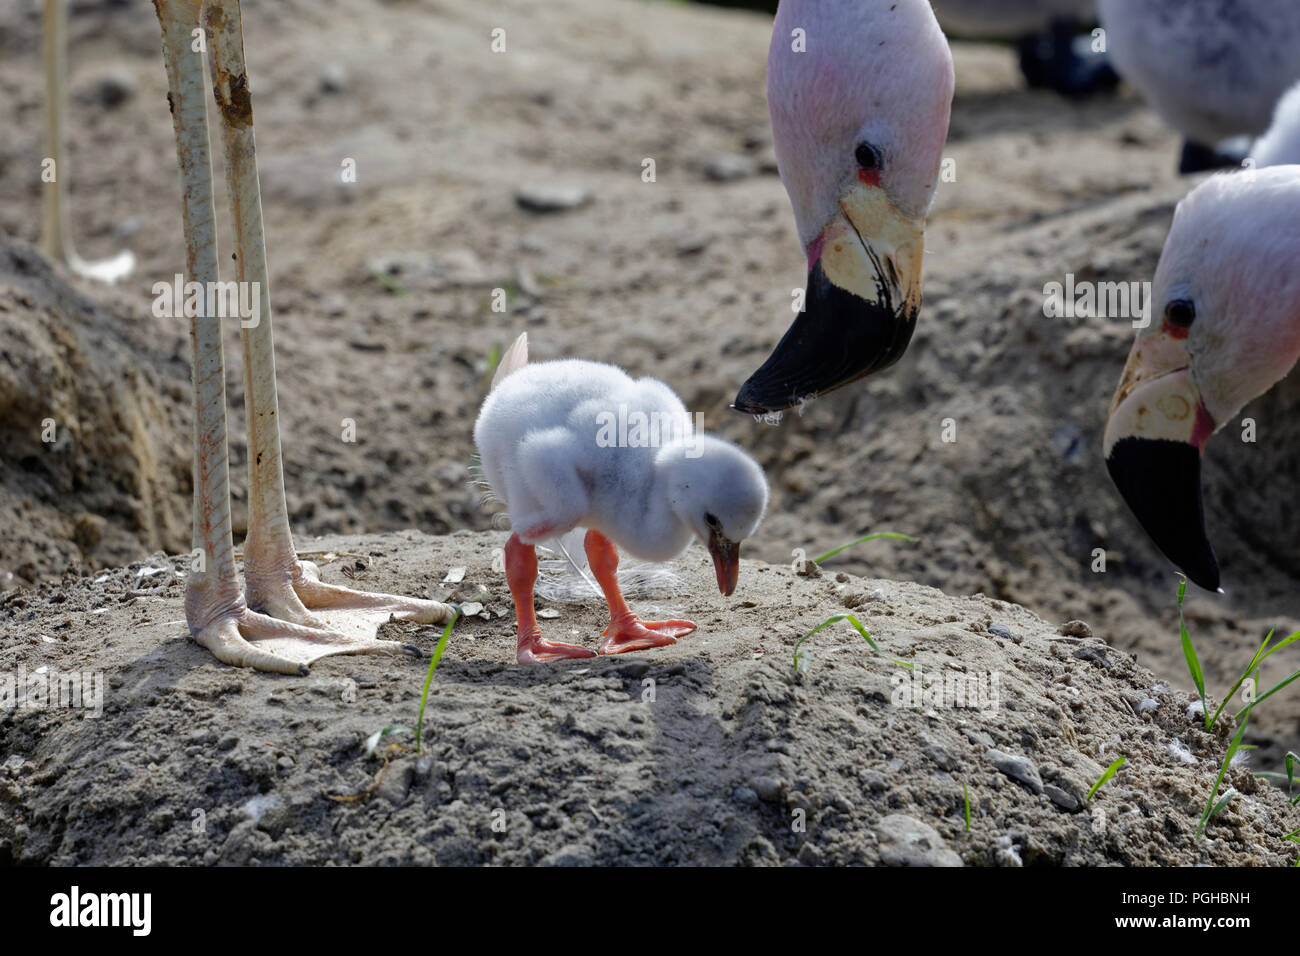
[(860, 308), (1155, 435)]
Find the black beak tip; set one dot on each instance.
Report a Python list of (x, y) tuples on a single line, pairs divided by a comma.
[(837, 339), (754, 399), (1161, 483)]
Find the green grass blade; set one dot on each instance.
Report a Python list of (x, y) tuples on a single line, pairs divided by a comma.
[(433, 666), (1110, 772), (1249, 673), (871, 537), (1269, 693), (965, 794), (857, 626), (1277, 647), (1223, 802), (1189, 652), (1211, 808)]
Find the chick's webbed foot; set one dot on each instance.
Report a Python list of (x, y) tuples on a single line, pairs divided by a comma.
[(535, 649), (627, 632)]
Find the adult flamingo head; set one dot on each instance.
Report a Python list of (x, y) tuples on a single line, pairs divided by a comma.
[(859, 93)]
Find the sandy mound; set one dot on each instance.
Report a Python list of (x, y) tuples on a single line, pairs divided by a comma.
[(712, 751), (93, 427)]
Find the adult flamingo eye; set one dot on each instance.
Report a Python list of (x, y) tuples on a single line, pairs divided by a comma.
[(867, 157), (1180, 312)]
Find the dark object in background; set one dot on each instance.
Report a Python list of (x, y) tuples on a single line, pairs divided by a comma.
[(1055, 60), (1199, 158)]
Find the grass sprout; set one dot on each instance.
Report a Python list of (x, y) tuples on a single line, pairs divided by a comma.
[(433, 666), (1109, 772), (965, 795), (1294, 837), (801, 658), (1189, 652), (871, 537), (1266, 650), (1211, 807)]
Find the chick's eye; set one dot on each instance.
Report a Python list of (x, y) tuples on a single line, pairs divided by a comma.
[(1180, 312), (867, 157)]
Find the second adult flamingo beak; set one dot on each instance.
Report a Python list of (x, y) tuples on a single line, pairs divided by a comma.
[(860, 308), (1155, 434), (726, 561)]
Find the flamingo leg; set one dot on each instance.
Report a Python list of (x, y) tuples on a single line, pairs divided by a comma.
[(56, 236), (277, 582), (626, 631), (216, 609), (521, 575)]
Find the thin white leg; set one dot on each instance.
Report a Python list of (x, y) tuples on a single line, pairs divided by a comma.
[(56, 237), (276, 581), (215, 608)]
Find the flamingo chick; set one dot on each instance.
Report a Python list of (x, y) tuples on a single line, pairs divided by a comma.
[(551, 450), (859, 95), (1230, 329)]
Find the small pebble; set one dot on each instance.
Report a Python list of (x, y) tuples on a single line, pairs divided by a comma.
[(1000, 630), (1017, 768), (551, 197), (114, 89), (1062, 799), (333, 79), (1075, 629), (906, 841), (809, 855), (768, 789), (729, 167), (874, 780)]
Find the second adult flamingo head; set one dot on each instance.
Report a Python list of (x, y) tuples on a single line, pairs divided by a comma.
[(859, 95)]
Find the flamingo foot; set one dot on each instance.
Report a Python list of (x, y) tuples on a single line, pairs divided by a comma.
[(299, 598), (243, 638), (332, 602), (110, 271), (630, 633), (535, 649)]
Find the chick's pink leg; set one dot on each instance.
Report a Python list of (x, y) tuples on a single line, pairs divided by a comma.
[(521, 574), (626, 632)]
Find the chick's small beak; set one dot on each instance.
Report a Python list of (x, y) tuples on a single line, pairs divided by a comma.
[(726, 561), (860, 308), (1155, 433)]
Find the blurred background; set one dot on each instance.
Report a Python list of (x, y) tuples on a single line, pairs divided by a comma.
[(522, 170)]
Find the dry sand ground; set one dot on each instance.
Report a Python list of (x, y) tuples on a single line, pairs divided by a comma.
[(688, 279), (712, 751)]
